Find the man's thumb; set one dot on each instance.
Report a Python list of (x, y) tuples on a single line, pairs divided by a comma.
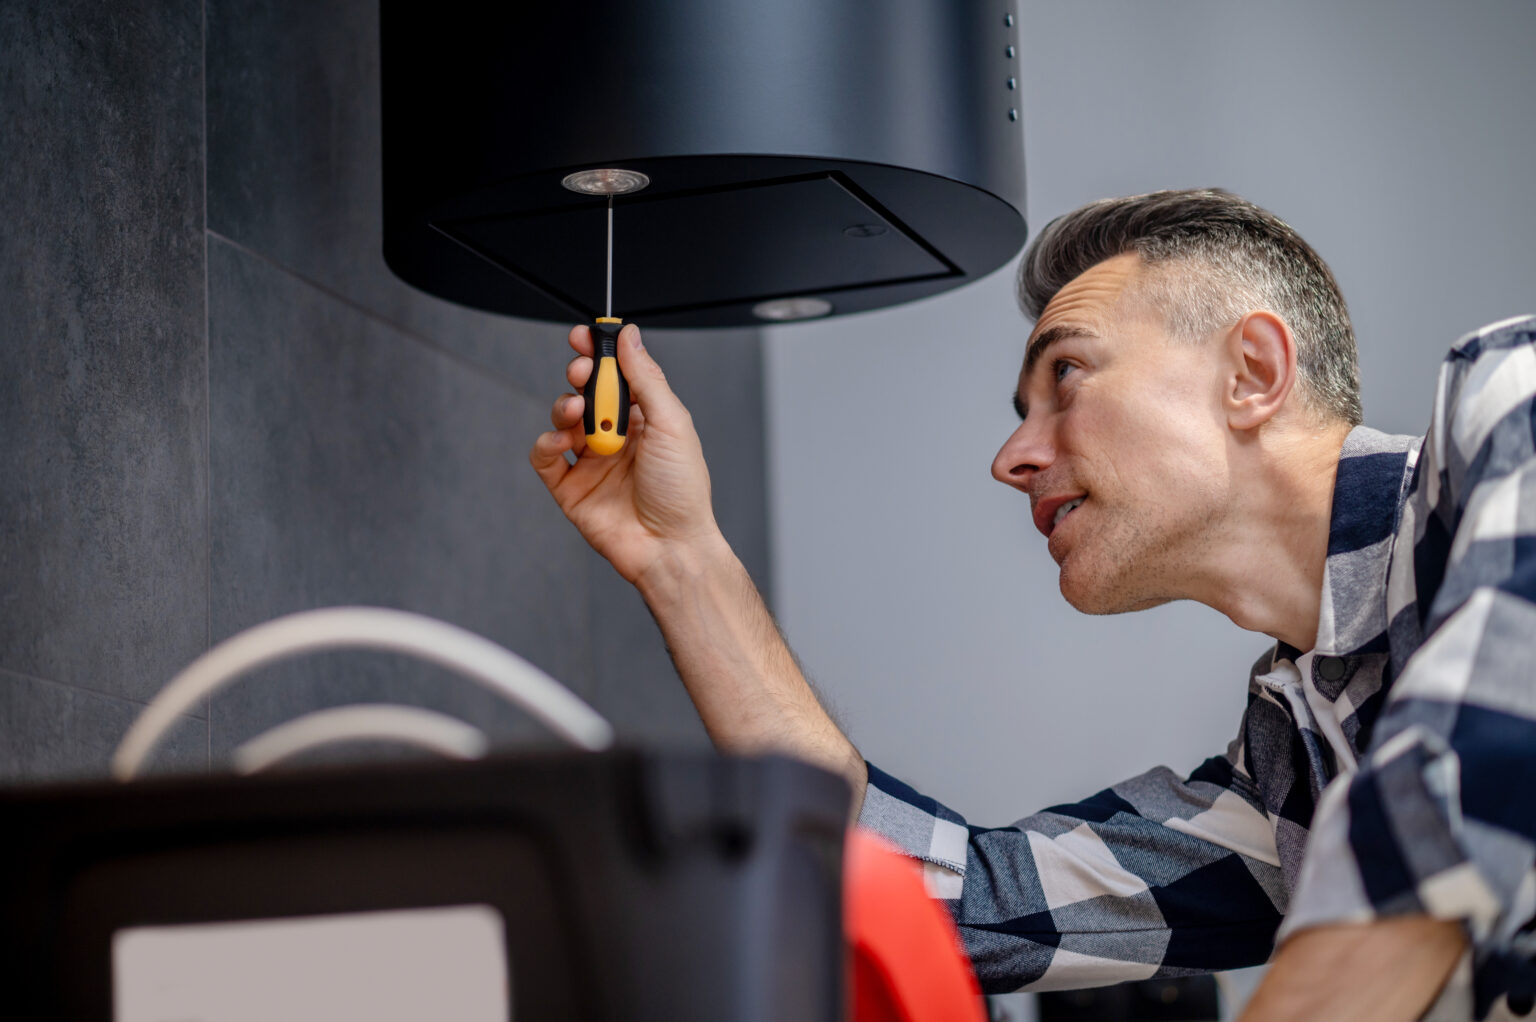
[(647, 382)]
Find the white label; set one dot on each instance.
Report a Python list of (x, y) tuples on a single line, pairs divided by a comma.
[(405, 966)]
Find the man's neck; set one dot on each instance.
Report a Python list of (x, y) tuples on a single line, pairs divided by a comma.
[(1266, 558)]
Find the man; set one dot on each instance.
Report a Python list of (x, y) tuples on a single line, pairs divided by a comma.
[(1190, 430)]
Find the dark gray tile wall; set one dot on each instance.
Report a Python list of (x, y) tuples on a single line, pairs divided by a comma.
[(103, 406), (293, 173), (352, 464), (208, 419)]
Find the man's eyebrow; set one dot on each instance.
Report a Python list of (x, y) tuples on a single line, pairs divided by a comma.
[(1045, 338)]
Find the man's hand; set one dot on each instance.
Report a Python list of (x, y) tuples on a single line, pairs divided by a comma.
[(647, 510), (651, 497), (1390, 970)]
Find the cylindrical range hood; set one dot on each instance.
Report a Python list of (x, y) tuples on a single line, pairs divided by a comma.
[(805, 157)]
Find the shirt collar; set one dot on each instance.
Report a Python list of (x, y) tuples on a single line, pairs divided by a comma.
[(1373, 474)]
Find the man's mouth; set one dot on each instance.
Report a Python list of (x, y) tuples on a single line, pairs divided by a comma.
[(1050, 513), (1066, 509)]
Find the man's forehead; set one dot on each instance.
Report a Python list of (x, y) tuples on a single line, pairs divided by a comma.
[(1086, 306), (1085, 300)]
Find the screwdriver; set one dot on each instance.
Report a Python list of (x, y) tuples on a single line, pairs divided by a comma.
[(606, 417)]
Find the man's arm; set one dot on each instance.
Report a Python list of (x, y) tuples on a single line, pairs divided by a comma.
[(647, 510), (741, 675), (1390, 970), (1156, 876)]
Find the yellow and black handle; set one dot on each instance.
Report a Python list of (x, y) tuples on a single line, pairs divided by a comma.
[(606, 417)]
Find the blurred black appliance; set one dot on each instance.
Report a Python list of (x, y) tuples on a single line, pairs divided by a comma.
[(633, 886)]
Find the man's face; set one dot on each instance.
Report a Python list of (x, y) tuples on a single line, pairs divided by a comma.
[(1120, 414)]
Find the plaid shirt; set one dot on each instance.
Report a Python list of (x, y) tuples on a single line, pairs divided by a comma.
[(1392, 770)]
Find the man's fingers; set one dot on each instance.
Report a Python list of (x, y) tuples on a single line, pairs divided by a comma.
[(578, 370), (581, 339), (567, 411), (548, 457), (565, 416)]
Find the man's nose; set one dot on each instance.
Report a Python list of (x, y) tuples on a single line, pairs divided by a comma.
[(1028, 451)]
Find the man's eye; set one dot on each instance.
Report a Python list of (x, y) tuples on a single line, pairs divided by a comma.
[(1059, 368)]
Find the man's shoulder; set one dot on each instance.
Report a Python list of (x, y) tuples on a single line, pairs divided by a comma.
[(1480, 435), (1487, 386), (1506, 334)]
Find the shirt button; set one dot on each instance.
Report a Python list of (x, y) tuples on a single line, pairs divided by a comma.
[(1332, 668)]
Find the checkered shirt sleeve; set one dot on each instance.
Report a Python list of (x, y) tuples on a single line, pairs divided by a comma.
[(1157, 876), (1440, 817)]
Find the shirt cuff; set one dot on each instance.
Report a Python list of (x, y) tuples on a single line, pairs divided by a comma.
[(914, 823)]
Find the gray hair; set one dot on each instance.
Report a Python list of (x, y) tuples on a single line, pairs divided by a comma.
[(1246, 258)]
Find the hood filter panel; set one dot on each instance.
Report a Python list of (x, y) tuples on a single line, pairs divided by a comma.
[(698, 257)]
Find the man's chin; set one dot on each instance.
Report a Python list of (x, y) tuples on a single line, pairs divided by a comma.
[(1084, 601), (1077, 590), (1101, 593)]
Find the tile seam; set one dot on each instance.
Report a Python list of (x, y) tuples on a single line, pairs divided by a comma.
[(410, 333), (76, 686)]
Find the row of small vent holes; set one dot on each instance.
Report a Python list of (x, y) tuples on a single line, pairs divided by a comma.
[(1013, 83)]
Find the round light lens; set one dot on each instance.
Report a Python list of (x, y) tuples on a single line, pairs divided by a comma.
[(606, 181), (783, 310)]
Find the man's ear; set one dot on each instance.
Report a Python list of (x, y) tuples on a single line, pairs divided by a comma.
[(1262, 358)]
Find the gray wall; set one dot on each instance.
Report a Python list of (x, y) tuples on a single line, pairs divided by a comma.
[(1396, 137), (218, 406)]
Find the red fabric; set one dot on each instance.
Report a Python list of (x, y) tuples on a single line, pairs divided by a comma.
[(905, 958)]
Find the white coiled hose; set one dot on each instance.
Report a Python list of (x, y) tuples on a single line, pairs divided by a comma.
[(397, 631)]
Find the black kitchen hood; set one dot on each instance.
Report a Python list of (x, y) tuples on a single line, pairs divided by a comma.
[(858, 155)]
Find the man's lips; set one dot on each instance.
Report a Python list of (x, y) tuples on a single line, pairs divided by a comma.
[(1045, 511)]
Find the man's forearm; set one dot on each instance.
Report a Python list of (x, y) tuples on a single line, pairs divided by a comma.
[(1390, 970), (739, 672)]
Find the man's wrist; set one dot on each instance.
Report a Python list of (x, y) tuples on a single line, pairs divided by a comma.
[(681, 566)]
